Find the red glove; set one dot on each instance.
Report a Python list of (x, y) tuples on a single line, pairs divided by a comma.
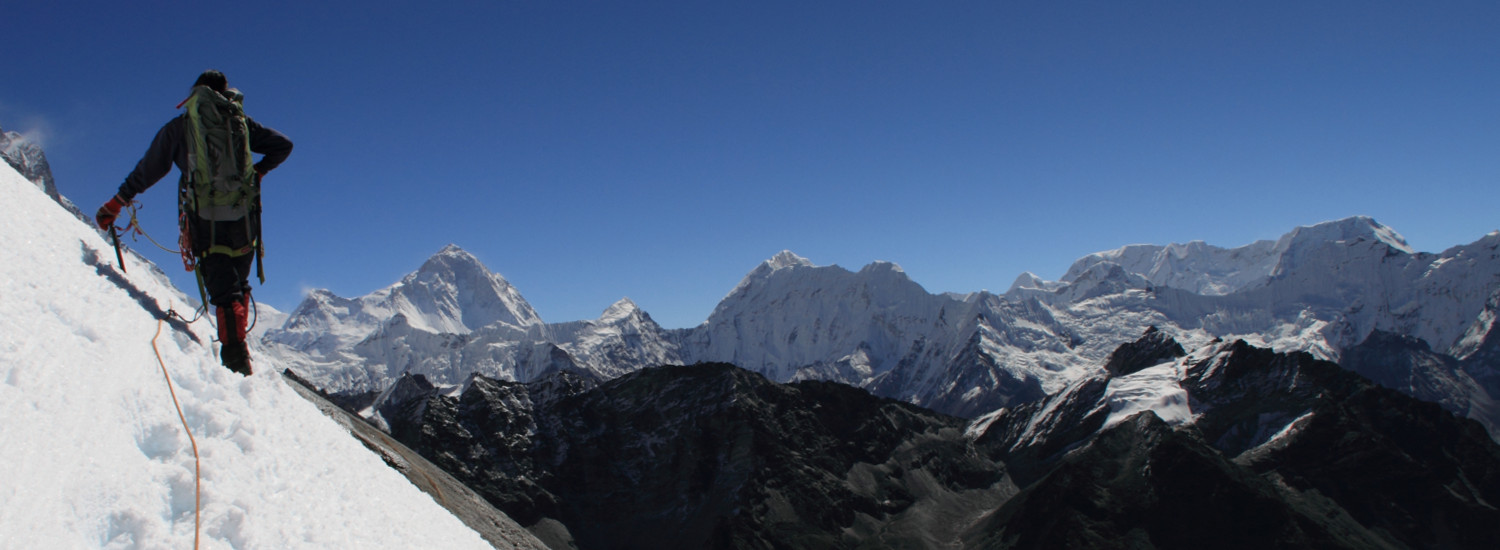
[(106, 215)]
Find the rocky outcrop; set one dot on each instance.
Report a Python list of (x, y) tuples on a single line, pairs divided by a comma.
[(712, 456)]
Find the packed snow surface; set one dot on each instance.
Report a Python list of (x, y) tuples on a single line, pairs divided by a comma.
[(93, 452)]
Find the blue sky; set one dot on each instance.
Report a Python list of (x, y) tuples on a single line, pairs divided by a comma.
[(589, 151)]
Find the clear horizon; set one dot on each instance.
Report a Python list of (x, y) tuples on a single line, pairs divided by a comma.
[(659, 151)]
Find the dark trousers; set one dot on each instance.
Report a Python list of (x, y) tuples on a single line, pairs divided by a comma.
[(225, 278)]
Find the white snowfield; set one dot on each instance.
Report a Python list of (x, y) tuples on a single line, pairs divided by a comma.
[(92, 453)]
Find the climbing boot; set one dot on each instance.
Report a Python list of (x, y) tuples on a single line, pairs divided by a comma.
[(234, 353)]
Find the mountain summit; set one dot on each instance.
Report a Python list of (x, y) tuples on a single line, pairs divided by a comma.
[(1213, 271), (453, 292)]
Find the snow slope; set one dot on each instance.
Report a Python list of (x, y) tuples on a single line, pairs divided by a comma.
[(93, 452)]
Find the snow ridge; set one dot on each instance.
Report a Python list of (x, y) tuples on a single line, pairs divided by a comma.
[(95, 455)]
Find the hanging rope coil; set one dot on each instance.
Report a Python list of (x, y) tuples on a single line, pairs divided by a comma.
[(134, 228)]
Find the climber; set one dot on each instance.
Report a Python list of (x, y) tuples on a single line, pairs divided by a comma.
[(218, 198)]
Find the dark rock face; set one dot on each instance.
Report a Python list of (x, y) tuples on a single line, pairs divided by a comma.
[(712, 456), (488, 438), (1034, 435), (1410, 366), (1153, 348), (1286, 451), (1394, 464), (1246, 395), (1142, 484), (1483, 363), (970, 367)]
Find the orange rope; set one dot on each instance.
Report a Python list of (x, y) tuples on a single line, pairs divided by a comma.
[(197, 465)]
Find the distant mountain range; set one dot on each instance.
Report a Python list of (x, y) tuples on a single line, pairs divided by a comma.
[(1337, 290), (1223, 446)]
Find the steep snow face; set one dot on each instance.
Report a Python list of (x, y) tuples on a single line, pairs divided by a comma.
[(94, 453), (1346, 231), (1454, 296), (1195, 266), (1213, 271), (453, 292), (788, 314), (1360, 277)]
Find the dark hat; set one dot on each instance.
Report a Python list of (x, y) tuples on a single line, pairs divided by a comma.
[(215, 80)]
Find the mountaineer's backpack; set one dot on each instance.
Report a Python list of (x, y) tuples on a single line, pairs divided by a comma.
[(220, 184)]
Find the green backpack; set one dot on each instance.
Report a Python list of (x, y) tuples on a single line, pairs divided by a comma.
[(220, 184)]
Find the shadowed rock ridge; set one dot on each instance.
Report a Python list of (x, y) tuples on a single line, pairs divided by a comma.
[(1283, 451)]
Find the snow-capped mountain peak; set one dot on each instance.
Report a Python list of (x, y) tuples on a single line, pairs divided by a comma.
[(1345, 231), (780, 321), (786, 259), (453, 292), (1195, 266), (1028, 280), (620, 310), (880, 266), (1210, 270), (782, 261)]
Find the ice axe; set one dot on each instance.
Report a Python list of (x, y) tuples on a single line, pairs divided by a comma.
[(114, 236)]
